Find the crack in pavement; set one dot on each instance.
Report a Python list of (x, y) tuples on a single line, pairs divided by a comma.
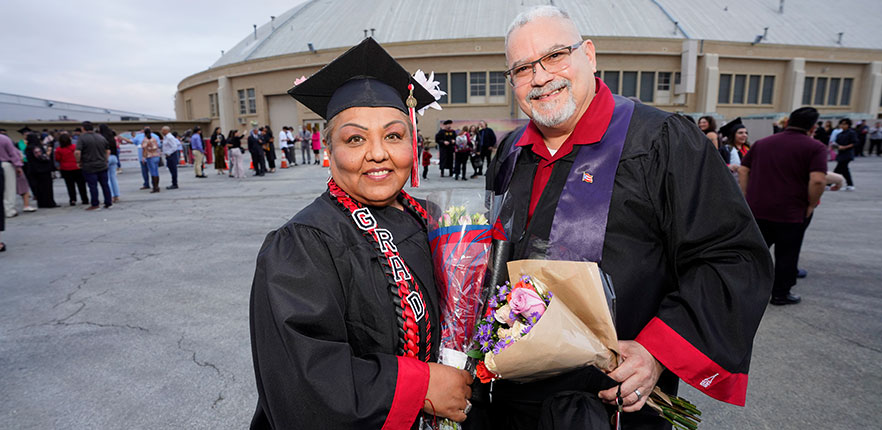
[(83, 281), (103, 325), (225, 377), (824, 330)]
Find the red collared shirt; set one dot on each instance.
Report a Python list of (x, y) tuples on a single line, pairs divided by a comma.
[(590, 129)]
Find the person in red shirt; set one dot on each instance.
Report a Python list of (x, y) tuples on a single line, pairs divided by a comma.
[(70, 170), (782, 178), (598, 177), (427, 161)]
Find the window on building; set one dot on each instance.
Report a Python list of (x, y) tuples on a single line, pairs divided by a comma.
[(834, 91), (820, 91), (611, 79), (807, 90), (478, 84), (676, 78), (725, 89), (753, 89), (845, 99), (242, 103), (252, 101), (189, 108), (458, 88), (768, 89), (647, 87), (442, 85), (664, 81), (738, 89), (212, 104), (497, 84), (629, 84)]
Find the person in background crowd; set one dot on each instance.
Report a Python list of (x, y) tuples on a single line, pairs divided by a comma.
[(137, 138), (316, 139), (739, 140), (40, 164), (256, 148), (286, 141), (475, 158), (112, 161), (171, 148), (186, 152), (463, 148), (782, 179), (446, 141), (861, 130), (70, 171), (822, 134), (13, 172), (708, 125), (22, 146), (92, 153), (487, 138), (846, 140), (219, 144), (875, 135), (236, 152), (427, 161), (779, 125), (269, 145), (150, 145), (198, 151), (2, 208), (305, 139)]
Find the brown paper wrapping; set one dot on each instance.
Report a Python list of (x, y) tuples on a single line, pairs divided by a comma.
[(575, 331)]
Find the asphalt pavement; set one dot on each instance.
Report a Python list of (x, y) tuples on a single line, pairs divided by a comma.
[(137, 316)]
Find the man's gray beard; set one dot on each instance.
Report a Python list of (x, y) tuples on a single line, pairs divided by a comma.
[(553, 119)]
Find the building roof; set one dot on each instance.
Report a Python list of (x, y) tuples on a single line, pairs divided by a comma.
[(330, 24), (15, 107)]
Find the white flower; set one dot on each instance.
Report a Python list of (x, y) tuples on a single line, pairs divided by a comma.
[(299, 80), (432, 86)]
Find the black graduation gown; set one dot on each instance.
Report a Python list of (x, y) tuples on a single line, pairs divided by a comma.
[(324, 330), (691, 272)]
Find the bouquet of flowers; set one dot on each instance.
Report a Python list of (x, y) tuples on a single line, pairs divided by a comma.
[(556, 306)]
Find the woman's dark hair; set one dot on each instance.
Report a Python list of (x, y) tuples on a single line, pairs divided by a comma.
[(711, 123), (147, 133), (232, 133), (64, 140), (846, 121), (268, 130), (108, 134), (33, 139)]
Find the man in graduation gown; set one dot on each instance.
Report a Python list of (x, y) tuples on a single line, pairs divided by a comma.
[(445, 139), (597, 177)]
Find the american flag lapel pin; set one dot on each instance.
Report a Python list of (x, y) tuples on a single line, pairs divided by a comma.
[(587, 177)]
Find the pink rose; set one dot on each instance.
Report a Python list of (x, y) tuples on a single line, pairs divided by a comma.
[(525, 301)]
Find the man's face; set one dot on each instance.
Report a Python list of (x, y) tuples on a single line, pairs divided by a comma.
[(552, 99)]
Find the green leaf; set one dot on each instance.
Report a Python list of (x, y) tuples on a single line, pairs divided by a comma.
[(476, 353)]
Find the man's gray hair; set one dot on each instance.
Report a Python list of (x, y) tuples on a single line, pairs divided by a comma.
[(544, 11)]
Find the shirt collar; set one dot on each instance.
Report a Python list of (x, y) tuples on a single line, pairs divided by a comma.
[(590, 128)]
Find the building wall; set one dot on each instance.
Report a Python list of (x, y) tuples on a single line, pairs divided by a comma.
[(272, 77)]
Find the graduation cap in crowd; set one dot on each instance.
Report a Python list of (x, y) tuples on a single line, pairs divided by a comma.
[(24, 130), (731, 127), (364, 76)]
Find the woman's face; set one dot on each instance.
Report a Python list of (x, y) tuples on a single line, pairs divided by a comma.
[(741, 136), (371, 154), (702, 124)]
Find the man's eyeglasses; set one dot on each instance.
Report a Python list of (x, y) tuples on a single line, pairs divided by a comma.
[(552, 62)]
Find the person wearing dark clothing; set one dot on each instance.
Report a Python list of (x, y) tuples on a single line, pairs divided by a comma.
[(598, 177), (782, 178), (446, 141), (487, 140), (875, 136), (92, 154), (40, 164), (218, 144), (463, 149), (112, 160), (269, 147), (70, 171), (255, 146), (846, 141), (861, 131)]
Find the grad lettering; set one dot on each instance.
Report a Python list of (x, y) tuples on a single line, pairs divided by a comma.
[(399, 269), (416, 304), (364, 219), (384, 237)]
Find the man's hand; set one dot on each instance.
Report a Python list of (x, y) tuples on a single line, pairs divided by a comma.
[(19, 171), (639, 370)]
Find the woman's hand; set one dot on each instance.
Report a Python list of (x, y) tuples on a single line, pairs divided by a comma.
[(448, 392), (639, 371)]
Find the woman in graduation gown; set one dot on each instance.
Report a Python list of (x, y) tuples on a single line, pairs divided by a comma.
[(344, 311)]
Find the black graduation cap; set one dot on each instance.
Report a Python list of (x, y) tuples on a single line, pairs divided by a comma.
[(731, 127), (24, 130), (364, 76)]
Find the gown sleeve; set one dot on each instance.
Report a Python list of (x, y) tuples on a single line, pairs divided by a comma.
[(307, 375), (722, 272)]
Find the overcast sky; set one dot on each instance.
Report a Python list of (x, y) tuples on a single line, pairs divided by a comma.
[(122, 54)]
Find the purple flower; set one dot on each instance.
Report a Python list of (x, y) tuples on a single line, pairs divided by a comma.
[(527, 330), (493, 303)]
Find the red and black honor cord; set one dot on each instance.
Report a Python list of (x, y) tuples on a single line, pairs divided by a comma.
[(407, 296)]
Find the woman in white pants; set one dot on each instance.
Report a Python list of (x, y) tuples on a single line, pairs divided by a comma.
[(234, 151)]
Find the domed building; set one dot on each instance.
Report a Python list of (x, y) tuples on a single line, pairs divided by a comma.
[(758, 59)]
